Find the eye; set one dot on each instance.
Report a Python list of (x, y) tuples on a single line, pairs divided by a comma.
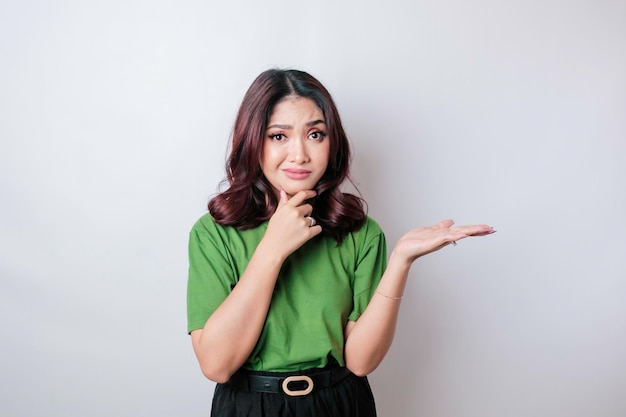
[(278, 137), (317, 135)]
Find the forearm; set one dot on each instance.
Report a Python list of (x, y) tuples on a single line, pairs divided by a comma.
[(370, 337), (232, 331)]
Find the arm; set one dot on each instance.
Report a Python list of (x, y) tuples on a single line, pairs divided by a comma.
[(369, 338), (232, 331)]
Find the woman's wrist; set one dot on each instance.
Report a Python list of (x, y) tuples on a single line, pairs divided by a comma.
[(399, 262), (270, 253)]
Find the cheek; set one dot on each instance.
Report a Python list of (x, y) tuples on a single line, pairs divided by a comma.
[(325, 154), (265, 160)]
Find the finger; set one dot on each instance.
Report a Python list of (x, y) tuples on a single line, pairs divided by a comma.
[(301, 196), (315, 230), (452, 238), (484, 233), (304, 210), (283, 199), (476, 230), (444, 224)]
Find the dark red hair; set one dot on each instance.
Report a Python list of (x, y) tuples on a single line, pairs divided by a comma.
[(249, 200)]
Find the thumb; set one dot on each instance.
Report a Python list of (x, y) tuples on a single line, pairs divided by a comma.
[(283, 198)]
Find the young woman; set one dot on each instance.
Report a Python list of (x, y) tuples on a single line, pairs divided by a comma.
[(291, 300)]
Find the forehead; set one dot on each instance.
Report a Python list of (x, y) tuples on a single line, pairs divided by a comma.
[(296, 108)]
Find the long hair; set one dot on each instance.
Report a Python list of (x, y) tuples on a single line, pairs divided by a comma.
[(250, 200)]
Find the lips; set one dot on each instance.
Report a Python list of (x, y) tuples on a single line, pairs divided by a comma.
[(296, 174)]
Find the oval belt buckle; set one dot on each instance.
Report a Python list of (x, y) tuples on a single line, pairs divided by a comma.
[(297, 378)]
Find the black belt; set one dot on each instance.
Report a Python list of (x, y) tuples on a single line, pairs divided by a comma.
[(292, 384)]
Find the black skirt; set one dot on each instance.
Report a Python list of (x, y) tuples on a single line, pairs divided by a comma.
[(334, 392)]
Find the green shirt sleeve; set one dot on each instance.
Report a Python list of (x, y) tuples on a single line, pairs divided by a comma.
[(211, 275), (371, 262)]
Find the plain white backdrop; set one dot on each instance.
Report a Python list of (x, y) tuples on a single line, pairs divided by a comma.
[(114, 120)]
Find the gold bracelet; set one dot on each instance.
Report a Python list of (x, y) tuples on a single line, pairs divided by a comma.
[(391, 298)]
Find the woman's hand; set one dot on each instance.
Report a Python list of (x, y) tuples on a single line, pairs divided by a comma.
[(290, 226), (424, 240)]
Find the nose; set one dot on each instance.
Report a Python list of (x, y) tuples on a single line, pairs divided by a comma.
[(297, 151)]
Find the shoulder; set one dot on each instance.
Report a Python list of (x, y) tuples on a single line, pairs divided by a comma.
[(370, 229), (204, 227), (369, 234), (205, 223), (372, 225), (207, 228), (205, 231)]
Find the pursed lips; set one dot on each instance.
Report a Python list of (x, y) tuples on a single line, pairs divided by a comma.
[(296, 174)]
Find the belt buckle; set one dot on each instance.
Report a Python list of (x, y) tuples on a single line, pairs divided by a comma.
[(297, 378)]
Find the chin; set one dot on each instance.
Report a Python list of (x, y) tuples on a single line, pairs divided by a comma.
[(291, 191)]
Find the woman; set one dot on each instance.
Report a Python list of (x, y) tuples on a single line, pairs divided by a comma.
[(291, 302)]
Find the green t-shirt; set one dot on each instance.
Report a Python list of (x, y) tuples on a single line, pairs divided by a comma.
[(319, 288)]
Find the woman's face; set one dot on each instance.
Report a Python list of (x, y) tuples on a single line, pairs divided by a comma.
[(296, 148)]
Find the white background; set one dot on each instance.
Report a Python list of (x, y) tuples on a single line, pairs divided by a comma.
[(114, 119)]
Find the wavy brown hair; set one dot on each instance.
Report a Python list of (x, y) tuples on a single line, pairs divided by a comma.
[(249, 200)]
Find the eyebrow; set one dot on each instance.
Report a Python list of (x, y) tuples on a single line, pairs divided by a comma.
[(309, 124)]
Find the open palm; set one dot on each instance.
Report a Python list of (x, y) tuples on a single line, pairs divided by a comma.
[(424, 240)]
